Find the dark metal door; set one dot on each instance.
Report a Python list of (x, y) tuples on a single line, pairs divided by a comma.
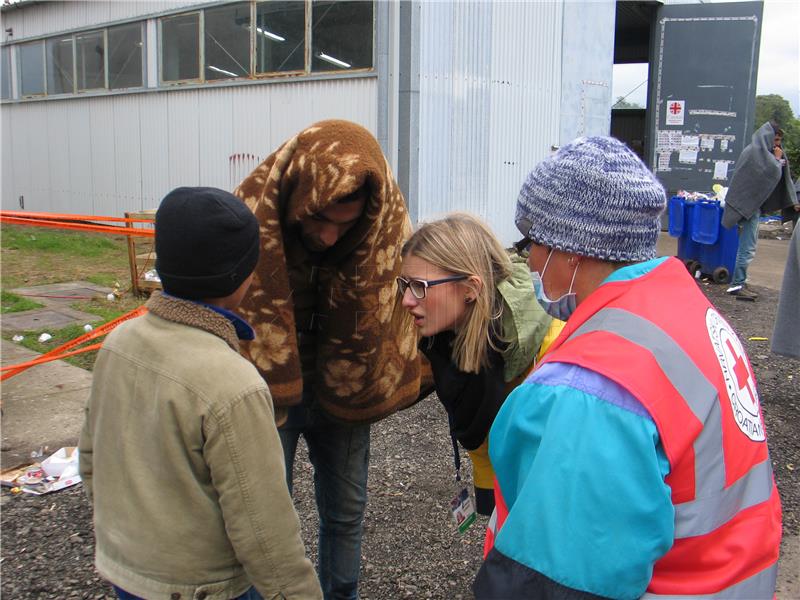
[(704, 60)]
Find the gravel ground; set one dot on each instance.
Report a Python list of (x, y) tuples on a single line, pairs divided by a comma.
[(411, 548)]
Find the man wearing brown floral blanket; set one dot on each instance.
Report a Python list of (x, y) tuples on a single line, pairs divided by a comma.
[(333, 222)]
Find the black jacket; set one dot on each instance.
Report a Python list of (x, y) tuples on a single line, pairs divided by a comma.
[(470, 399)]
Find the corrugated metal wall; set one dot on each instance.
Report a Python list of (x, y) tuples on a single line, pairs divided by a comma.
[(587, 68), (107, 155), (489, 101), (63, 15)]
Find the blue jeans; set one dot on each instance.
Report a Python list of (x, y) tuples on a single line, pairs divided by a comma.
[(250, 594), (748, 238), (340, 456)]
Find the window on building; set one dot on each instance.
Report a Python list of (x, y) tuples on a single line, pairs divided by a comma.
[(280, 37), (230, 40), (180, 47), (227, 41), (341, 35), (90, 53), (60, 71), (5, 72), (125, 64), (31, 68)]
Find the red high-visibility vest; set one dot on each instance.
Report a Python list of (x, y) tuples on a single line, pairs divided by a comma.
[(662, 340)]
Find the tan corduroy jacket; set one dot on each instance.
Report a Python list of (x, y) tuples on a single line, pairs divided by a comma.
[(183, 465)]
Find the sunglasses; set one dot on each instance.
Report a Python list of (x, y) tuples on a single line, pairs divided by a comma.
[(419, 287)]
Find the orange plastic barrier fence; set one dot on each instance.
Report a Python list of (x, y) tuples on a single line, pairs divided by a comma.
[(78, 222), (64, 350), (66, 217), (20, 367)]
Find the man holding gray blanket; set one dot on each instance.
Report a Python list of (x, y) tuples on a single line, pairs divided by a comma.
[(761, 184)]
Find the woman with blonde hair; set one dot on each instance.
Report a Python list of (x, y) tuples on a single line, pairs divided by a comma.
[(480, 324)]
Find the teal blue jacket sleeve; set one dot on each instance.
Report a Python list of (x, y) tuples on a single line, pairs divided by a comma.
[(581, 469)]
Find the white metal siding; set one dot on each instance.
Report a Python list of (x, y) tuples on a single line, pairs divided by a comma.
[(51, 17), (108, 155), (80, 159), (127, 153), (7, 157), (490, 85), (154, 160), (103, 158), (587, 68)]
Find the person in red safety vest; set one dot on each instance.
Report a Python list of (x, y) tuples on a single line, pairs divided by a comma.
[(633, 461)]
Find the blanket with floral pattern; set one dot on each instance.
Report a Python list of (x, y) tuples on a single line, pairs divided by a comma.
[(366, 368)]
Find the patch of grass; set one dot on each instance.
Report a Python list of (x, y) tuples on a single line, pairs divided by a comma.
[(68, 243), (60, 336), (12, 303), (105, 279), (37, 256), (109, 311)]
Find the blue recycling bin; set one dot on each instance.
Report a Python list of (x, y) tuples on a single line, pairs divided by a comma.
[(704, 245), (680, 226)]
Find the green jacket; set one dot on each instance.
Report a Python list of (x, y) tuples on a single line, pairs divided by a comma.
[(525, 323), (183, 465)]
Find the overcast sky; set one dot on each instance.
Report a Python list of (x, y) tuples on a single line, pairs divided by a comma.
[(779, 58)]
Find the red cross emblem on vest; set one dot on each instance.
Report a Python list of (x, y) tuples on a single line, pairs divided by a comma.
[(740, 384), (740, 370)]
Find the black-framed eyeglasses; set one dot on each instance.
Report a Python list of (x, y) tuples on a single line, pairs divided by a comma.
[(419, 287)]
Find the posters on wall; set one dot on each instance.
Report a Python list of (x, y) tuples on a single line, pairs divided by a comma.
[(721, 170), (679, 149)]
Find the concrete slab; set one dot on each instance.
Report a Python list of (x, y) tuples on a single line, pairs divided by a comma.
[(42, 407), (62, 294), (57, 298), (767, 267), (45, 318)]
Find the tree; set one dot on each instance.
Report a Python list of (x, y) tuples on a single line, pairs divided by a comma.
[(622, 103), (773, 107)]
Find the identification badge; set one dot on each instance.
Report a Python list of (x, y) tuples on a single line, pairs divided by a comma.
[(463, 510)]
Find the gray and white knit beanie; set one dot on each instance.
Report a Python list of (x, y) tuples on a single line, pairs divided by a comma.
[(595, 198)]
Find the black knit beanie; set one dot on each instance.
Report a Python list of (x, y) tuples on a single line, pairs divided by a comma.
[(207, 242)]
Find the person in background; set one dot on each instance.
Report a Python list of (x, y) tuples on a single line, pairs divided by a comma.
[(633, 461), (179, 452), (480, 328), (762, 183), (333, 221), (786, 336)]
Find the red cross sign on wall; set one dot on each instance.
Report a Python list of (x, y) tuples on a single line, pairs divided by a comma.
[(675, 112)]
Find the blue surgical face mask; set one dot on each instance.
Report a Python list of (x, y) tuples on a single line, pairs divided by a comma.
[(565, 305)]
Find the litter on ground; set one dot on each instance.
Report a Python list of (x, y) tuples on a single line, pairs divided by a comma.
[(57, 472)]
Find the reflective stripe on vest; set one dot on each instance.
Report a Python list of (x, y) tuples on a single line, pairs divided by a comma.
[(491, 533), (714, 505), (492, 525), (752, 587)]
